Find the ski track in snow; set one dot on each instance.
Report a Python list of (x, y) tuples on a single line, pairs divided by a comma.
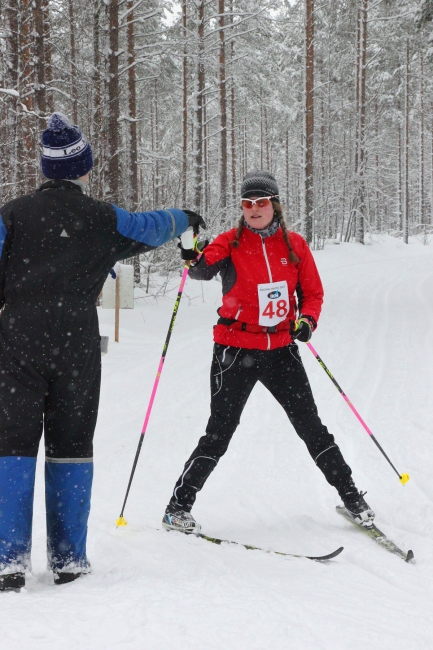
[(160, 591)]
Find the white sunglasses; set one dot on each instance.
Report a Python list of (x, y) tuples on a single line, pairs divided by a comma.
[(261, 202)]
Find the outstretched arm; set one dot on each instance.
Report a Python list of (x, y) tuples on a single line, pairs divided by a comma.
[(151, 228)]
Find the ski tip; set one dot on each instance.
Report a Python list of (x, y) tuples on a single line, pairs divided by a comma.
[(121, 522), (324, 558), (410, 558), (404, 478)]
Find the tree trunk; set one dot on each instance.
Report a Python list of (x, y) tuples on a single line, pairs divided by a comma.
[(233, 132), (361, 211), (422, 212), (185, 105), (40, 92), (48, 68), (112, 179), (377, 203), (309, 121), (431, 179), (287, 176), (355, 198), (406, 153), (198, 104), (132, 124), (156, 128), (400, 182), (96, 179), (12, 52), (206, 185), (73, 60), (26, 148), (245, 147), (233, 144), (262, 139), (132, 106), (266, 137), (223, 105)]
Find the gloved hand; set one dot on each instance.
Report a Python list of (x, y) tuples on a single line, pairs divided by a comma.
[(195, 220), (192, 254), (302, 329)]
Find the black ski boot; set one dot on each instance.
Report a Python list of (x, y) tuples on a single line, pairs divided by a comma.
[(359, 508), (12, 581), (355, 504), (62, 577)]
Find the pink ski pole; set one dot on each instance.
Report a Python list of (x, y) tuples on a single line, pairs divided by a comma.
[(121, 521), (403, 477)]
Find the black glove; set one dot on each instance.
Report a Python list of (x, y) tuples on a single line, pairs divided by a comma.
[(195, 220), (302, 329), (192, 253), (188, 253)]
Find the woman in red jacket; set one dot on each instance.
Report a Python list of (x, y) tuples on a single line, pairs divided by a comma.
[(262, 267)]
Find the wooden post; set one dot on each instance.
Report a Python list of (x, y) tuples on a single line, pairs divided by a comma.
[(117, 306)]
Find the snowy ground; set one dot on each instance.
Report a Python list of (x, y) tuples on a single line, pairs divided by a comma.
[(160, 591)]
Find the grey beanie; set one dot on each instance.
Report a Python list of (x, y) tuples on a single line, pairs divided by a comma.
[(259, 183)]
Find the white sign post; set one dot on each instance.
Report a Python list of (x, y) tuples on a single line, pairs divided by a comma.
[(119, 293)]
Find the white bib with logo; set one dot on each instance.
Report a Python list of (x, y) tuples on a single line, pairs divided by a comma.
[(273, 303)]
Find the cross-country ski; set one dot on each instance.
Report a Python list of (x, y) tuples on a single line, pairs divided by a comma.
[(249, 547), (380, 538)]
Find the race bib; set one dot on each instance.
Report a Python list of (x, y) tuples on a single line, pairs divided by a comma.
[(273, 303)]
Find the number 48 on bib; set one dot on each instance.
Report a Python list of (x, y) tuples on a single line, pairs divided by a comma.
[(273, 303)]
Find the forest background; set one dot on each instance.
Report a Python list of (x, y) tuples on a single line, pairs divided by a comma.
[(180, 100)]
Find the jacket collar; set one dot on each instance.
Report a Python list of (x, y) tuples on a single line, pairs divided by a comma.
[(265, 232), (60, 183)]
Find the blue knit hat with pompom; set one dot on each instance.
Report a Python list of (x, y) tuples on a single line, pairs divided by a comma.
[(66, 153)]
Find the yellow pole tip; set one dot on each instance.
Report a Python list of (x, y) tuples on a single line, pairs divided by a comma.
[(121, 522), (404, 478)]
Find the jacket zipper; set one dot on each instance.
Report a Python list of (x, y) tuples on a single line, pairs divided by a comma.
[(270, 280), (266, 260)]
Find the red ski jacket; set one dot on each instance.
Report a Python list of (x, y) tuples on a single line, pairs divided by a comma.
[(265, 262)]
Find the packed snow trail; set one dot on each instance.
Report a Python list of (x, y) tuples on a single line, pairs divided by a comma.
[(160, 591)]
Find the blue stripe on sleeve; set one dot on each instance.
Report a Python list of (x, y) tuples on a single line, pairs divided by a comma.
[(152, 228), (4, 232)]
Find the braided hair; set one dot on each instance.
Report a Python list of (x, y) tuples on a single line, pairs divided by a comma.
[(278, 214)]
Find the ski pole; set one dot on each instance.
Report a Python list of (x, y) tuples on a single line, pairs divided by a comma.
[(403, 477), (121, 521)]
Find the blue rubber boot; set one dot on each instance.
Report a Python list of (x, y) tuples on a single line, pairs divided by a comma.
[(17, 484), (68, 487)]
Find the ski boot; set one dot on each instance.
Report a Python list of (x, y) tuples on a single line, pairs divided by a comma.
[(12, 581), (62, 577), (357, 506), (177, 519)]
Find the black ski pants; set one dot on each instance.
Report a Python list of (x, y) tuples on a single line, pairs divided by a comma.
[(50, 367), (234, 373)]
